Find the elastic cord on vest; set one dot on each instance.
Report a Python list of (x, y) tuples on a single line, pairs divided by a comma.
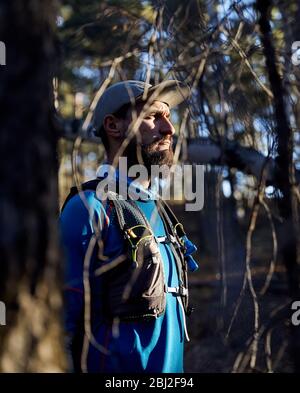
[(180, 291)]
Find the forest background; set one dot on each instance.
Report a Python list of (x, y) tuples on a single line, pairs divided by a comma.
[(242, 122)]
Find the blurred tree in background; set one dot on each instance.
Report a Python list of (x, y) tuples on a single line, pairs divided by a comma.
[(242, 123), (30, 280)]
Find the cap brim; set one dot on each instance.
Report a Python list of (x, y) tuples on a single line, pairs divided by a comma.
[(171, 92)]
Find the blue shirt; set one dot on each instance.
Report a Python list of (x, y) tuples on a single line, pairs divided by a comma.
[(144, 346)]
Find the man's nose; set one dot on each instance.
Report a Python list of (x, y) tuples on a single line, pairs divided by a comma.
[(166, 127)]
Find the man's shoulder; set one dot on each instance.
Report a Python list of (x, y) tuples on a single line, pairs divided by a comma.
[(82, 203)]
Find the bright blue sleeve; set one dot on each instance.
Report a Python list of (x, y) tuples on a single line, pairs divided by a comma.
[(77, 227)]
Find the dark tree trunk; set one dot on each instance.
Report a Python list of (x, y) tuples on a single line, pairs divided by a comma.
[(30, 259), (285, 174)]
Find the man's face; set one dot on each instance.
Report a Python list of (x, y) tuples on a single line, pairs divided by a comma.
[(155, 134)]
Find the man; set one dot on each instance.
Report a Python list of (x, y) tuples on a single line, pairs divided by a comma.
[(126, 288)]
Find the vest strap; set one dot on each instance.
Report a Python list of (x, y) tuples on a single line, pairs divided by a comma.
[(180, 291), (184, 319), (164, 239)]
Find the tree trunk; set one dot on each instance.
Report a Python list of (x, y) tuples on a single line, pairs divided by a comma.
[(30, 282), (289, 235)]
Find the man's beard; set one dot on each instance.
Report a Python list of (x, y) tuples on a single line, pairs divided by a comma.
[(148, 155), (151, 156)]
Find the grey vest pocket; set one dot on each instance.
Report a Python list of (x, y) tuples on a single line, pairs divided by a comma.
[(136, 290)]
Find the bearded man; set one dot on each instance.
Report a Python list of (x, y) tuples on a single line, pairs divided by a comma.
[(126, 294)]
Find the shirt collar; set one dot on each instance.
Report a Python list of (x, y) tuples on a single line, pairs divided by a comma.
[(136, 188)]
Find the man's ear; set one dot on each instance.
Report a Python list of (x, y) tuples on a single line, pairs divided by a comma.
[(113, 126)]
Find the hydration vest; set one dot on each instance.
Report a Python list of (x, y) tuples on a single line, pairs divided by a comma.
[(135, 289)]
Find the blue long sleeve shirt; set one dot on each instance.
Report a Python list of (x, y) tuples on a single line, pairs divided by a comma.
[(144, 346)]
